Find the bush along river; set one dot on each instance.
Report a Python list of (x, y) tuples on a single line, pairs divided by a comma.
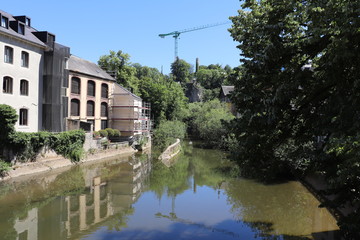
[(137, 197)]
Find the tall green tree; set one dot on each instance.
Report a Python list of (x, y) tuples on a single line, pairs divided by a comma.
[(119, 63), (298, 91), (181, 71)]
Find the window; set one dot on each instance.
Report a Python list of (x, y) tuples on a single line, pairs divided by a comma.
[(91, 88), (28, 22), (75, 85), (8, 54), (75, 107), (21, 29), (24, 59), (104, 124), (7, 85), (23, 117), (90, 108), (4, 22), (104, 90), (24, 87), (104, 109)]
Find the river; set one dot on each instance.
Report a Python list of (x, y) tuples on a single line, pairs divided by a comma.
[(136, 197)]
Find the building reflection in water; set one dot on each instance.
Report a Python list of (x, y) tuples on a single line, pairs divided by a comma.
[(74, 215)]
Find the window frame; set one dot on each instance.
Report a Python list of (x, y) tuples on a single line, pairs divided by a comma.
[(74, 100), (74, 79), (8, 55), (103, 93), (106, 114), (25, 59), (24, 87), (90, 112), (89, 83), (4, 22), (8, 85), (23, 117)]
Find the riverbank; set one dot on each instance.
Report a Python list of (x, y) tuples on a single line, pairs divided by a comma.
[(58, 162)]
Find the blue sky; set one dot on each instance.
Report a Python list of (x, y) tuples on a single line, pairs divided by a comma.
[(93, 28)]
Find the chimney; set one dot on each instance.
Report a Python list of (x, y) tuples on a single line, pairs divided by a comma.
[(197, 65)]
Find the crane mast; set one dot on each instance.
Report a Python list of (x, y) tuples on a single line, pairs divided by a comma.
[(176, 34)]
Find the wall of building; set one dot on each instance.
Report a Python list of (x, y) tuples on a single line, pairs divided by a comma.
[(126, 110), (32, 74), (83, 97)]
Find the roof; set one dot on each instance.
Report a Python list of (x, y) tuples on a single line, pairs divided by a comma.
[(83, 66), (127, 91), (227, 89), (28, 36)]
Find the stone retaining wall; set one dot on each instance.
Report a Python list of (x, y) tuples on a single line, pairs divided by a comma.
[(170, 152)]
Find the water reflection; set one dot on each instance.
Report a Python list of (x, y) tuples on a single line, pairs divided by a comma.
[(196, 198)]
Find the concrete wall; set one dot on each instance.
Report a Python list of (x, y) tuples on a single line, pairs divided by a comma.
[(32, 74)]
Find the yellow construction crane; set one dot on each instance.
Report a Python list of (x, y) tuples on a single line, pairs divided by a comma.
[(176, 34)]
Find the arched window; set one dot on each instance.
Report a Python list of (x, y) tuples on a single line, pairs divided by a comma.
[(24, 59), (91, 88), (23, 117), (7, 85), (75, 107), (104, 109), (75, 85), (9, 54), (104, 90), (24, 87), (90, 108)]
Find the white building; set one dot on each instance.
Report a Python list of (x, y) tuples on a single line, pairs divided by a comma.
[(21, 70)]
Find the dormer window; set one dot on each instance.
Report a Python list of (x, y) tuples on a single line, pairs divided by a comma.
[(28, 22), (4, 22), (21, 29)]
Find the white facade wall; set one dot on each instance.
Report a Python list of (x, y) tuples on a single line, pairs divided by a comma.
[(33, 74)]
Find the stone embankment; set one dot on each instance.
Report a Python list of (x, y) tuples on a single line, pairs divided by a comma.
[(51, 161), (170, 152)]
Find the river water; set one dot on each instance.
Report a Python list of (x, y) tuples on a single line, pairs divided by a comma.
[(135, 197)]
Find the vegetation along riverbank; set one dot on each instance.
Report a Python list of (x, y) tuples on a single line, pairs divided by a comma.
[(289, 110)]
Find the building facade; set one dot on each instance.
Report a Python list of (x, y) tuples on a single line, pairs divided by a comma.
[(21, 70), (130, 114), (33, 75), (89, 91)]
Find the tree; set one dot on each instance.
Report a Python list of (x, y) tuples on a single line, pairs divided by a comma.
[(181, 71), (8, 118), (297, 91), (119, 63)]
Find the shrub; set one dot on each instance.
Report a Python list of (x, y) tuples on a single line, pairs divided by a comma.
[(96, 134), (117, 133), (8, 118), (103, 133), (110, 131), (167, 132), (69, 144), (4, 167)]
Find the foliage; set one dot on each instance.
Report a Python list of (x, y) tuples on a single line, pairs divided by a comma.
[(4, 167), (110, 131), (116, 133), (167, 98), (181, 71), (167, 132), (103, 133), (69, 144), (28, 145), (8, 118), (96, 134), (118, 63), (206, 121), (298, 91)]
